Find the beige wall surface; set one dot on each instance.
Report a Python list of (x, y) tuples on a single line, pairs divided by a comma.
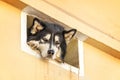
[(14, 64), (100, 65), (17, 65)]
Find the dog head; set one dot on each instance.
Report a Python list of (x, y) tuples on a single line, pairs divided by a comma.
[(48, 39)]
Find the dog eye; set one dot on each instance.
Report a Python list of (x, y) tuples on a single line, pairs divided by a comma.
[(57, 42), (45, 40)]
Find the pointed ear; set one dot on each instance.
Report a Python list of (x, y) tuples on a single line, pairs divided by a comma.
[(36, 26), (69, 34)]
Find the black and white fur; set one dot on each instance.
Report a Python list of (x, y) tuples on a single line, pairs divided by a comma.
[(49, 39)]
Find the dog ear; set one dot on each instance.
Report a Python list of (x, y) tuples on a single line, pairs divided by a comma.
[(37, 26), (69, 34)]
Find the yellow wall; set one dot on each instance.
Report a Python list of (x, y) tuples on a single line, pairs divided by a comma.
[(100, 65), (14, 64), (17, 65)]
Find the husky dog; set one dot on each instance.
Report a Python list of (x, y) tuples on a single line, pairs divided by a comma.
[(49, 39)]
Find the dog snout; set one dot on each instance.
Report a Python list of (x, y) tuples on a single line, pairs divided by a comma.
[(51, 52)]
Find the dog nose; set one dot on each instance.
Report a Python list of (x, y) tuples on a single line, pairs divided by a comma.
[(51, 52)]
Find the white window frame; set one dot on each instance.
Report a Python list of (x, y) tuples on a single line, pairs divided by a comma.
[(26, 48)]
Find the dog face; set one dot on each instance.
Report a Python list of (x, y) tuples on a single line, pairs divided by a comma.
[(48, 39)]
